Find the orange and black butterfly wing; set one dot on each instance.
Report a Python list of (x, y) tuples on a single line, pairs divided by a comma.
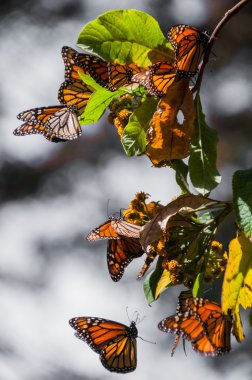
[(157, 79), (32, 129), (115, 342), (64, 123), (121, 75), (182, 324), (204, 347), (76, 94), (189, 45), (121, 355), (104, 231), (216, 324), (124, 228), (38, 115), (120, 253), (97, 332), (74, 63)]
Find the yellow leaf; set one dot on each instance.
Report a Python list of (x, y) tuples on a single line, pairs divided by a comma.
[(163, 282), (237, 327), (237, 284)]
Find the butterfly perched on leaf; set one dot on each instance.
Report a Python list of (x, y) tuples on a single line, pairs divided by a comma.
[(107, 74), (189, 45), (158, 78), (55, 123), (202, 322), (113, 341), (123, 244)]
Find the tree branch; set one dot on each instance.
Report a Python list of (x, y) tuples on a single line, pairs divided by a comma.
[(230, 13)]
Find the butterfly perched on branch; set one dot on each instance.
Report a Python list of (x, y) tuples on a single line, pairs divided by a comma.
[(55, 123), (123, 244), (113, 341), (202, 322), (189, 45)]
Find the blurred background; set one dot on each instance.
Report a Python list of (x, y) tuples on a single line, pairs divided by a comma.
[(52, 195)]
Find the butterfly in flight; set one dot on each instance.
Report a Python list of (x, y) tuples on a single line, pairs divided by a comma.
[(202, 322), (113, 341), (158, 78), (107, 74), (189, 45), (55, 123), (123, 244)]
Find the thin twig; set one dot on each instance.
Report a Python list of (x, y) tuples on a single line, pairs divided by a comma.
[(230, 13)]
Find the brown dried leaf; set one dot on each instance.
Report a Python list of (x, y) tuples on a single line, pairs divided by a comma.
[(168, 139), (155, 228)]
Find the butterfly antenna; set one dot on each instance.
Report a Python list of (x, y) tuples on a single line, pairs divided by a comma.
[(139, 320), (127, 312), (145, 340)]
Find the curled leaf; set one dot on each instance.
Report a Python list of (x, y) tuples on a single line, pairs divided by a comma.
[(155, 229)]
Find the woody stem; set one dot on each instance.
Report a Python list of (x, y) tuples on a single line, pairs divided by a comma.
[(230, 13)]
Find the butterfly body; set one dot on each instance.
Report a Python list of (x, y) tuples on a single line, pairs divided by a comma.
[(113, 341)]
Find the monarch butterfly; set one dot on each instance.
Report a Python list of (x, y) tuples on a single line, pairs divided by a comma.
[(123, 244), (108, 75), (203, 323), (189, 45), (158, 78), (113, 341), (75, 93), (54, 122)]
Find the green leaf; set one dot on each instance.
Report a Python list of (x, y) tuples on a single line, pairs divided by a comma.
[(202, 162), (152, 282), (126, 36), (87, 79), (134, 134), (97, 104), (181, 170), (242, 198), (198, 285)]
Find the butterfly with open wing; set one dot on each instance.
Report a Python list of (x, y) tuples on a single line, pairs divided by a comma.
[(55, 123), (189, 45), (107, 74), (202, 322), (113, 341), (123, 244)]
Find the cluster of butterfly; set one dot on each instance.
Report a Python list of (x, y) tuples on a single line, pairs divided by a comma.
[(60, 123), (197, 320)]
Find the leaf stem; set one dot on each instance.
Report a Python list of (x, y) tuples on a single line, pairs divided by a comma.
[(230, 13)]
